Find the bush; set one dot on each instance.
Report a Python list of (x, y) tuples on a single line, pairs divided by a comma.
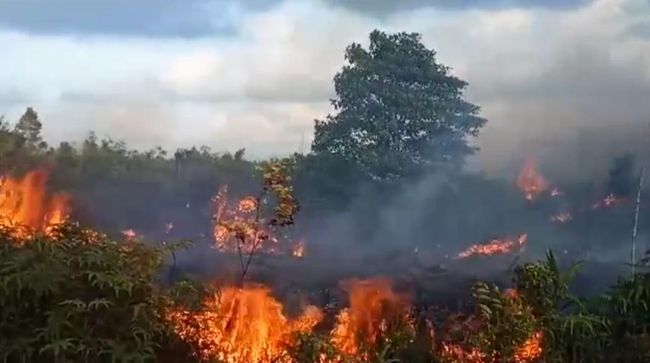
[(78, 296)]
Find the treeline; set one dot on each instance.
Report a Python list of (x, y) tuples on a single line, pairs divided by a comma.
[(389, 158), (398, 114)]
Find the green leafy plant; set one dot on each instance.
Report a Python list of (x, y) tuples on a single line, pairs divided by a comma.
[(507, 322), (80, 297), (252, 228)]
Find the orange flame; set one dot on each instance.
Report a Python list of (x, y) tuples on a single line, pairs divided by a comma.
[(298, 250), (495, 247), (374, 307), (531, 350), (530, 181), (239, 227), (456, 353), (242, 325), (24, 203)]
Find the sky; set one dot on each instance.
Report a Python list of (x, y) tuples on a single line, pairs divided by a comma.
[(255, 74)]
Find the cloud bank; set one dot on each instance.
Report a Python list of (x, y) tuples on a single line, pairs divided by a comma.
[(255, 74)]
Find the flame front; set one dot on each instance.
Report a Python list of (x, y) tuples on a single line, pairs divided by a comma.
[(238, 227), (298, 250), (374, 308), (531, 182), (531, 350), (242, 325), (456, 353), (495, 247), (25, 206)]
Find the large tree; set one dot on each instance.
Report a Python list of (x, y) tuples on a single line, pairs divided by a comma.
[(397, 110), (29, 126)]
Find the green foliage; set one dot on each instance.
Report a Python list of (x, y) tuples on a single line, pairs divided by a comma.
[(571, 332), (506, 322), (79, 297), (277, 184), (626, 308), (395, 344), (543, 286), (29, 127), (311, 347), (252, 222), (611, 328), (398, 110), (398, 344)]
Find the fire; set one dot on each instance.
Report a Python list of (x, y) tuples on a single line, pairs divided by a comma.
[(495, 247), (24, 203), (511, 293), (530, 181), (237, 325), (238, 226), (247, 205), (374, 308), (531, 350), (607, 202), (562, 217), (456, 353), (242, 325), (298, 249)]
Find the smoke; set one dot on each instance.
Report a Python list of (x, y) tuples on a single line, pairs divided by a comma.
[(423, 224)]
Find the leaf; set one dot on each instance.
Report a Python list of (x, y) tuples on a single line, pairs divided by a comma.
[(99, 303)]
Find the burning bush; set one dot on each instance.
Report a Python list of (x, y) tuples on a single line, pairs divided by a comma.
[(25, 205), (249, 226), (241, 325), (375, 312)]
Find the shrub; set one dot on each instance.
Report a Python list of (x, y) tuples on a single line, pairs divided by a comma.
[(78, 296)]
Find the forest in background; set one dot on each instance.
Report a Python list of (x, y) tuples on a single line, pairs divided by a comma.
[(384, 176)]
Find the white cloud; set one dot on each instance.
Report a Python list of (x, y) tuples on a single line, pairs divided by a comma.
[(532, 70)]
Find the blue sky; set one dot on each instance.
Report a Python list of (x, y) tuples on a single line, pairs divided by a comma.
[(256, 73)]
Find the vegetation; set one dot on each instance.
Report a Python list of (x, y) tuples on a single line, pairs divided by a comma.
[(74, 295), (80, 297), (395, 106)]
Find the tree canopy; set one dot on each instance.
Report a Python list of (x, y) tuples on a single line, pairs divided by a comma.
[(397, 109), (29, 126)]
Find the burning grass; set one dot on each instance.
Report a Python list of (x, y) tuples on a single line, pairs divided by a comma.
[(242, 325), (375, 309), (531, 182), (245, 323), (26, 207), (496, 247), (248, 324)]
